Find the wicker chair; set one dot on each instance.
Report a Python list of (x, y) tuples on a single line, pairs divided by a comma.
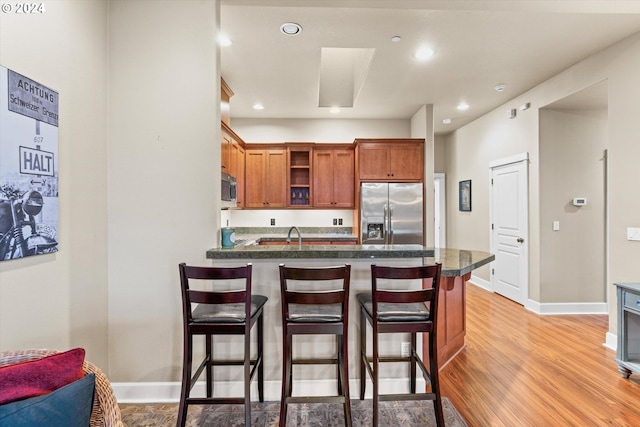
[(105, 412)]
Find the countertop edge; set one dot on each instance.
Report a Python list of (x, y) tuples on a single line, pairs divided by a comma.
[(455, 262)]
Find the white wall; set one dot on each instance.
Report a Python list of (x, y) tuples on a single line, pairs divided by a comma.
[(493, 136), (288, 217), (164, 153), (572, 145), (59, 300), (318, 130), (422, 127)]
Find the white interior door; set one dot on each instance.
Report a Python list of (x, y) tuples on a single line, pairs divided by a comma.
[(509, 227)]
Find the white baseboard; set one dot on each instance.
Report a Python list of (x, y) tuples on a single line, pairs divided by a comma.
[(167, 392), (551, 308), (481, 283), (611, 341), (554, 308)]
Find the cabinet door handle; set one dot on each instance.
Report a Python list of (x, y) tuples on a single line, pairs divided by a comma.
[(520, 240)]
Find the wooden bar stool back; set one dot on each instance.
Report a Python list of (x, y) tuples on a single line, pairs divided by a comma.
[(401, 311), (220, 306), (315, 312)]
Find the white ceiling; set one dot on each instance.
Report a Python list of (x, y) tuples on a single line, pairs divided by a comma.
[(478, 44)]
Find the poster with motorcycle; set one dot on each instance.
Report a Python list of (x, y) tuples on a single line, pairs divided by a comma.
[(28, 167)]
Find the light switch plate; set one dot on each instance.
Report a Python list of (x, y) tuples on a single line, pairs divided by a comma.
[(633, 233), (556, 225)]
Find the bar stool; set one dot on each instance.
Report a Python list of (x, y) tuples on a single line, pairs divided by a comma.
[(401, 311), (220, 312), (315, 312)]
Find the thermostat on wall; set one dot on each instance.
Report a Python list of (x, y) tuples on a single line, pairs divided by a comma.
[(579, 201)]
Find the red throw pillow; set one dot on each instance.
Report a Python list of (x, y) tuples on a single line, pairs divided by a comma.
[(42, 376)]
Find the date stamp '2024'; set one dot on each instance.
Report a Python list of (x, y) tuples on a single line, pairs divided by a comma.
[(22, 8)]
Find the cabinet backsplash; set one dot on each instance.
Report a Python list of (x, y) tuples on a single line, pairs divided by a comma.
[(286, 218)]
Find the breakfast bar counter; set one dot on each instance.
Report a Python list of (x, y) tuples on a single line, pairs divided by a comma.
[(457, 266)]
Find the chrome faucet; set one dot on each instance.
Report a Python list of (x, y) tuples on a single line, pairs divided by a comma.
[(299, 235)]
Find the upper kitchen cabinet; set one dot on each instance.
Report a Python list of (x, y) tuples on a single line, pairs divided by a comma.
[(225, 95), (333, 177), (390, 160), (225, 150), (237, 165), (265, 177), (232, 155), (299, 175)]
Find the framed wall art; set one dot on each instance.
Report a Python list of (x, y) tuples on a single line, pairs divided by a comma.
[(28, 167), (464, 196)]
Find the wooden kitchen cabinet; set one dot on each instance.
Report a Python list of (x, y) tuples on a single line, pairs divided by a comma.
[(391, 160), (237, 163), (265, 178), (451, 318), (232, 155), (225, 152), (333, 178), (299, 169)]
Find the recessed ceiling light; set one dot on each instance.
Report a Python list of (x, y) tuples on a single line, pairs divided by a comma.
[(396, 39), (290, 28), (424, 53), (446, 121), (501, 87), (334, 110), (463, 106), (258, 106), (224, 40)]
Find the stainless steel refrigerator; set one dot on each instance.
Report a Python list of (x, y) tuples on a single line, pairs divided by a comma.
[(391, 213)]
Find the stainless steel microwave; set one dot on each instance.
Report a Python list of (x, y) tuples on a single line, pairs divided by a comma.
[(229, 191)]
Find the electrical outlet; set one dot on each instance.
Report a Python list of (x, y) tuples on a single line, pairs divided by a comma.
[(335, 221), (405, 349), (339, 221), (273, 221)]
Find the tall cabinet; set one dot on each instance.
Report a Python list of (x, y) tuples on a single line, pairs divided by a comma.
[(265, 177), (333, 177)]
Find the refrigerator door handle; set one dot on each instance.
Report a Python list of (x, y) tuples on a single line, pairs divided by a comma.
[(385, 230), (390, 233)]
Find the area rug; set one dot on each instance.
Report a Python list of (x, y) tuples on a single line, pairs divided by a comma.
[(392, 414)]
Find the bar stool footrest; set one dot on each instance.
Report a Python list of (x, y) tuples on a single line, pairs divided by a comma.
[(412, 396), (314, 399), (315, 361), (214, 400)]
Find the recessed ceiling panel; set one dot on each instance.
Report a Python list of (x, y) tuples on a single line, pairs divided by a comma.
[(342, 74)]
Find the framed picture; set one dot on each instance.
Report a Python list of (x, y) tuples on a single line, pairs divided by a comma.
[(464, 196)]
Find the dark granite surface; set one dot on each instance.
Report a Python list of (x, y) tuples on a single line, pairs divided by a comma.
[(320, 251), (455, 262)]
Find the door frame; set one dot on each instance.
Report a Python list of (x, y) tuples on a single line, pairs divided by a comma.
[(440, 211), (524, 159)]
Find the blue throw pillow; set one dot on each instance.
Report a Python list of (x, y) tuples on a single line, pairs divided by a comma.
[(68, 406)]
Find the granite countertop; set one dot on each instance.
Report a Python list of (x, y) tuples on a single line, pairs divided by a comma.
[(458, 262), (320, 251), (455, 262)]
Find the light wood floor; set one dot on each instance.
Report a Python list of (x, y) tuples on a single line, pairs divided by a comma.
[(521, 369)]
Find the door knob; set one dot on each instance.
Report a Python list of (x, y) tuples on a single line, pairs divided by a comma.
[(520, 240)]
